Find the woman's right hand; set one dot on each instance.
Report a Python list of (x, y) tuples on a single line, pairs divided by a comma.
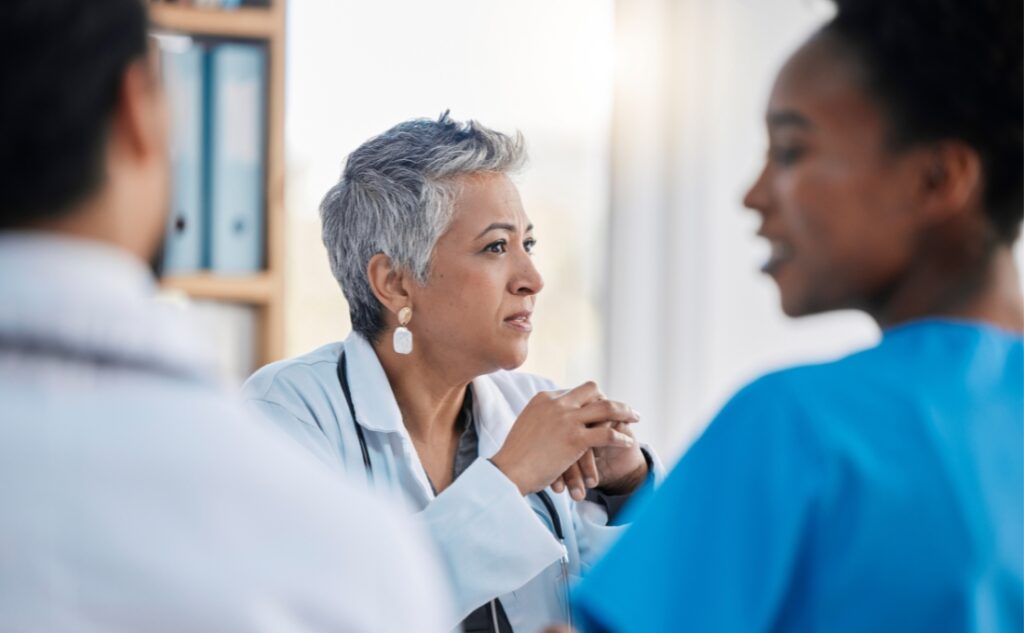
[(552, 434)]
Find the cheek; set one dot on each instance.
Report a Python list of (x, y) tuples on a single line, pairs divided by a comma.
[(825, 212), (848, 233), (466, 298)]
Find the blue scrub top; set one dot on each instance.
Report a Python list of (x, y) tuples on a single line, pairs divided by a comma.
[(880, 492)]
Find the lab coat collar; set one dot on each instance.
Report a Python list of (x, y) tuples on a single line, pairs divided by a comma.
[(85, 299), (493, 414), (377, 409), (372, 398)]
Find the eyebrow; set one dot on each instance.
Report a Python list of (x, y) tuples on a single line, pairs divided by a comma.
[(500, 226), (783, 118)]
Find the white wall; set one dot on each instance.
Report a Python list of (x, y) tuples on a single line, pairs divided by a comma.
[(355, 68), (690, 318)]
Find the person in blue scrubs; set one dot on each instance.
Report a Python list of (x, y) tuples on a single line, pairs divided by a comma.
[(882, 491)]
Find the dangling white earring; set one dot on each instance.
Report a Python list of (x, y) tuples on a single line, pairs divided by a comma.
[(402, 340)]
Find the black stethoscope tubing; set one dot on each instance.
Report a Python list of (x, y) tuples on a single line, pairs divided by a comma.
[(343, 379), (342, 370)]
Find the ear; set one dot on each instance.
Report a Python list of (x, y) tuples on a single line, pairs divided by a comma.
[(140, 122), (138, 160), (952, 181), (390, 284)]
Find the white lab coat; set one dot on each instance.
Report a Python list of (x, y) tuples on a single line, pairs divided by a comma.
[(137, 496), (494, 542)]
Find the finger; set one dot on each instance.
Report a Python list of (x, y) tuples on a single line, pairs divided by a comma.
[(607, 436), (574, 481), (588, 466), (558, 485), (623, 425), (624, 428), (583, 394), (608, 411)]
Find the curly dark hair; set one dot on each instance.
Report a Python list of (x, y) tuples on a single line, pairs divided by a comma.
[(949, 69)]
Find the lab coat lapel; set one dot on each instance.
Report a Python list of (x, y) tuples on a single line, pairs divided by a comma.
[(493, 414), (377, 412), (372, 397)]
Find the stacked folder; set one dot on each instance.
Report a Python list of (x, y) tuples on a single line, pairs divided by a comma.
[(217, 95)]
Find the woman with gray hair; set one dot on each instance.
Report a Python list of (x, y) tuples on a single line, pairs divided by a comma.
[(430, 244)]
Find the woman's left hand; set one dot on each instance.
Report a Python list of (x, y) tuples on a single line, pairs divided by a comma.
[(616, 471), (620, 470)]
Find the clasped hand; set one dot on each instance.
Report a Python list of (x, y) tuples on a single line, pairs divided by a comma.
[(574, 439)]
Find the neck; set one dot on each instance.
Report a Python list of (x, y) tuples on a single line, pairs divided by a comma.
[(980, 285), (97, 220), (428, 397)]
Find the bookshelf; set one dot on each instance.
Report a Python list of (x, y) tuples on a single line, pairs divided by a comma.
[(264, 291), (246, 23)]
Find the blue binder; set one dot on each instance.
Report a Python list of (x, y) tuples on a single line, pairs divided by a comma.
[(183, 72), (236, 75)]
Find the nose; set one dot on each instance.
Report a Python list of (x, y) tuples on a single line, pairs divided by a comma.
[(527, 281), (758, 197)]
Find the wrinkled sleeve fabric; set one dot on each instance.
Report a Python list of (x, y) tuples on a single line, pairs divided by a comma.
[(614, 505), (490, 540), (714, 548), (599, 521)]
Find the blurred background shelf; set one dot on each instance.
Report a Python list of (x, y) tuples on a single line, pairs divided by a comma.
[(261, 294), (252, 23), (255, 290)]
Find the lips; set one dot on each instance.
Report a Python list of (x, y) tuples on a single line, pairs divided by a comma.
[(781, 252), (520, 321)]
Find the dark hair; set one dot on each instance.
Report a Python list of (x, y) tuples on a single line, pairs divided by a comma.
[(949, 69), (61, 66)]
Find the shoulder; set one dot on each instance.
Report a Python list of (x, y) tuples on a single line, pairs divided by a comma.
[(200, 458), (802, 387), (777, 402), (802, 407), (283, 508), (294, 380)]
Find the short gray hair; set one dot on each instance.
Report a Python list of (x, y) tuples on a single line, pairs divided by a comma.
[(396, 196)]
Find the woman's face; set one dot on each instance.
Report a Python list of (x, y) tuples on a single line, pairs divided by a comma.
[(475, 308), (836, 204)]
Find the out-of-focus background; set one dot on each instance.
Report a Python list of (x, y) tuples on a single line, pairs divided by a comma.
[(644, 125)]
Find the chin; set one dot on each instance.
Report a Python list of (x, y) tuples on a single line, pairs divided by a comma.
[(513, 357), (796, 306), (794, 301), (793, 296), (793, 309)]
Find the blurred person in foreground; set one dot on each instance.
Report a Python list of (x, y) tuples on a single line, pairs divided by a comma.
[(430, 243), (137, 497), (882, 491)]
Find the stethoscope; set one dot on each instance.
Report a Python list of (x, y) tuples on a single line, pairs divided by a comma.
[(545, 498)]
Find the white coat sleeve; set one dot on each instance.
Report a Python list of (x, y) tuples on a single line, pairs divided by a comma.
[(589, 520), (594, 535), (491, 541)]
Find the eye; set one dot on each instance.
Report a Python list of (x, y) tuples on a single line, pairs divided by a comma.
[(497, 247), (786, 155), (529, 244)]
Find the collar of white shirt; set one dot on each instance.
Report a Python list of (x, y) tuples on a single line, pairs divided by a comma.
[(378, 410), (87, 300)]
